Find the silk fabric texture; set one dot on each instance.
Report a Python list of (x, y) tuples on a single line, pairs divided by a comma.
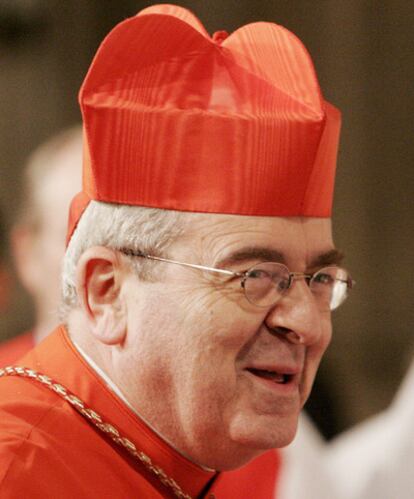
[(48, 450), (176, 119)]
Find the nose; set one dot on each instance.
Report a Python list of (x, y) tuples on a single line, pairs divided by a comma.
[(299, 275), (297, 315)]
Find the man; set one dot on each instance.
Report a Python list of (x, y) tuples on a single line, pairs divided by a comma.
[(51, 178), (189, 347)]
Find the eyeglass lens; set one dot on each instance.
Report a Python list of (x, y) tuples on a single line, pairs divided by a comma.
[(265, 283)]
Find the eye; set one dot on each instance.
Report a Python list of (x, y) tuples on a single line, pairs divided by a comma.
[(281, 283), (271, 274), (322, 277), (258, 274)]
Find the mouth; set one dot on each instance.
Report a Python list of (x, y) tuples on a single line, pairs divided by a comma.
[(279, 378)]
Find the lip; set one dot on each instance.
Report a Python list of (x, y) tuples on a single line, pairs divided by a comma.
[(287, 388), (290, 369)]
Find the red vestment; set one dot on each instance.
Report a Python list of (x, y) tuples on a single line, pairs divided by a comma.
[(13, 349), (48, 450)]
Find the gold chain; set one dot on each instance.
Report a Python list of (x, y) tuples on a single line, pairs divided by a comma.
[(95, 419)]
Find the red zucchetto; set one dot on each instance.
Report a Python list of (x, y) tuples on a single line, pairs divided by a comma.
[(176, 119)]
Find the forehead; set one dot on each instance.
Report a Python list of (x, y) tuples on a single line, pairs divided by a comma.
[(297, 240)]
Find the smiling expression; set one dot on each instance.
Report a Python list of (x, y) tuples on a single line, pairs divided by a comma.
[(219, 378)]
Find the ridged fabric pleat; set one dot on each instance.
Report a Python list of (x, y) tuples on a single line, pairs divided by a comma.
[(176, 119)]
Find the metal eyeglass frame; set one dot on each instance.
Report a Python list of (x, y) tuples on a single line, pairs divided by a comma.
[(244, 275)]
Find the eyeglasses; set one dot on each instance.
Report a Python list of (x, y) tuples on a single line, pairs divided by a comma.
[(265, 283)]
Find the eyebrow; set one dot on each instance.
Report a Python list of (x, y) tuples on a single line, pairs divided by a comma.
[(263, 254), (252, 253), (331, 257)]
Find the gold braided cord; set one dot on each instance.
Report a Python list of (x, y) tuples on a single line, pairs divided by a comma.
[(96, 420)]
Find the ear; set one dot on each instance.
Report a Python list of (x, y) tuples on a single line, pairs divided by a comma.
[(99, 282)]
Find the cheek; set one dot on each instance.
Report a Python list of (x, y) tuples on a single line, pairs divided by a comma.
[(189, 341), (316, 351), (326, 333), (211, 360), (217, 317), (314, 356), (208, 355)]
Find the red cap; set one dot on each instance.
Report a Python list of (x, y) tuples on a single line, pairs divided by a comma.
[(179, 120)]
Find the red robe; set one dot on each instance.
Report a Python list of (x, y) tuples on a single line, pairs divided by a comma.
[(15, 348), (48, 450)]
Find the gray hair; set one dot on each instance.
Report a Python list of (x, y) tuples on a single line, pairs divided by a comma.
[(118, 226)]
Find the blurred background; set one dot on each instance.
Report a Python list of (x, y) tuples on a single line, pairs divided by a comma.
[(364, 56)]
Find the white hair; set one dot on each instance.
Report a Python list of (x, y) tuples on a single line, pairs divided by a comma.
[(117, 226)]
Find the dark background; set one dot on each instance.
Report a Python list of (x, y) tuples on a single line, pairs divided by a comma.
[(363, 52)]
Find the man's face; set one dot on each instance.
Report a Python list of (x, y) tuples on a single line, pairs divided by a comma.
[(58, 189), (39, 250), (219, 377)]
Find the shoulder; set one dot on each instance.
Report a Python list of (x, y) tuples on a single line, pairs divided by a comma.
[(48, 450), (30, 420), (13, 349)]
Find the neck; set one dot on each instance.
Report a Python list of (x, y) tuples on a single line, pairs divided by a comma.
[(40, 331), (112, 386)]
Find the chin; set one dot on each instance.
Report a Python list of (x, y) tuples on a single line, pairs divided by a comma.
[(247, 442), (253, 436), (270, 439), (245, 451)]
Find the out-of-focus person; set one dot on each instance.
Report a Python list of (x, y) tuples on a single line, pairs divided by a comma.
[(302, 471), (372, 460), (375, 459), (51, 178)]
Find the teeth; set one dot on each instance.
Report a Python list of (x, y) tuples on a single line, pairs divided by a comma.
[(276, 377), (279, 378)]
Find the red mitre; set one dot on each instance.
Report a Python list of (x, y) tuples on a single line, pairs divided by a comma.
[(176, 119)]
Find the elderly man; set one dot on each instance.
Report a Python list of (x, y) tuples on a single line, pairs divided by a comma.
[(199, 277), (51, 178)]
